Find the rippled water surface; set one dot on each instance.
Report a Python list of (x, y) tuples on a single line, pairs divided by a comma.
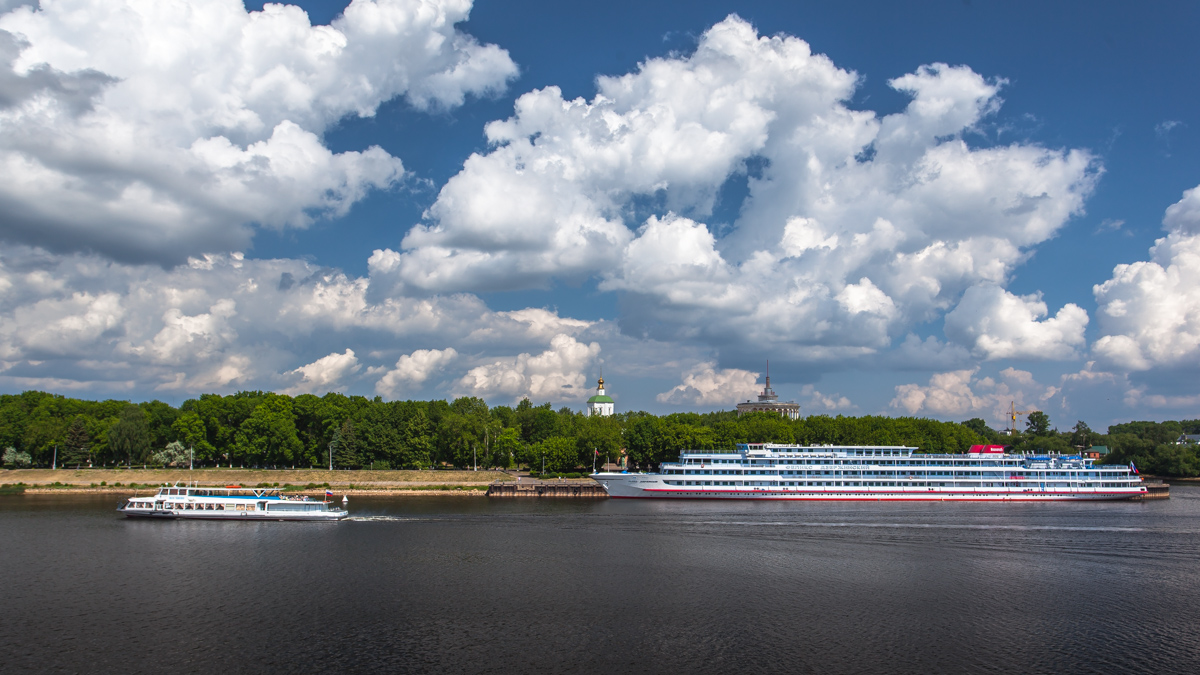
[(468, 584)]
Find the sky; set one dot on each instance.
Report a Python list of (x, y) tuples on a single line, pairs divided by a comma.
[(938, 209)]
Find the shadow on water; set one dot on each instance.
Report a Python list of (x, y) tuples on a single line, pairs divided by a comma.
[(434, 584)]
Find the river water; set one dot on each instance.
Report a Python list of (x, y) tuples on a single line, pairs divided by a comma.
[(471, 584)]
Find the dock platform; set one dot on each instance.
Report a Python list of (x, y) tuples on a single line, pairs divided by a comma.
[(1155, 489), (547, 489)]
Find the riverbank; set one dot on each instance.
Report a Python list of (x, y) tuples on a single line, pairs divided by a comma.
[(312, 482), (300, 480), (462, 491)]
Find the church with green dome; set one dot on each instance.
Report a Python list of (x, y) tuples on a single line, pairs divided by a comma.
[(601, 404)]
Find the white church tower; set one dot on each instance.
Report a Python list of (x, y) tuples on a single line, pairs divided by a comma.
[(601, 404)]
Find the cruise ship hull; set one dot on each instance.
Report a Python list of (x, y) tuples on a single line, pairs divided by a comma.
[(652, 486)]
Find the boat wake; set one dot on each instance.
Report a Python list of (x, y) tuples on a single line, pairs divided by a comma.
[(381, 519), (935, 526)]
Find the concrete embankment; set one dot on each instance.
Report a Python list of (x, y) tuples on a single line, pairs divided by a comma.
[(1155, 489)]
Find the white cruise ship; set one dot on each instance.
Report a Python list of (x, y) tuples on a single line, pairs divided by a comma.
[(875, 473), (231, 502)]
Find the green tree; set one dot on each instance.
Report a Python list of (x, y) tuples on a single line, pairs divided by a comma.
[(981, 429), (268, 436), (77, 446), (1156, 432), (559, 453), (173, 454), (159, 420), (642, 440), (416, 438), (345, 447), (16, 459), (1172, 459), (507, 450), (129, 438), (763, 427), (189, 430), (1082, 435), (598, 435), (1038, 423)]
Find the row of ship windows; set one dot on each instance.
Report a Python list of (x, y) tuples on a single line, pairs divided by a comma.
[(857, 462), (856, 453), (192, 507), (717, 466), (961, 474), (839, 483), (830, 483)]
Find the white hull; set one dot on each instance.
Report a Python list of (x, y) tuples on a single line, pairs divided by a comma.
[(652, 486), (235, 515), (875, 473), (228, 503)]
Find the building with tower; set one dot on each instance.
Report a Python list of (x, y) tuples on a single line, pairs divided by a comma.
[(769, 402), (601, 404)]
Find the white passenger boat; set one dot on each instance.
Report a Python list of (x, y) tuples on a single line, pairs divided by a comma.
[(876, 473), (229, 503)]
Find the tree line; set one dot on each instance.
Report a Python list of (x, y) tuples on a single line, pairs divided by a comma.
[(265, 429), (1153, 447)]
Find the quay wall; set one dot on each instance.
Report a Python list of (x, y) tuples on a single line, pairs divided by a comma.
[(588, 490), (1155, 489)]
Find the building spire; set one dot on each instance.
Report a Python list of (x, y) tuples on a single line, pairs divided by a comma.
[(769, 402), (768, 394)]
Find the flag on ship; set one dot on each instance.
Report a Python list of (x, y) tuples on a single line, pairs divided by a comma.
[(328, 492), (1131, 466)]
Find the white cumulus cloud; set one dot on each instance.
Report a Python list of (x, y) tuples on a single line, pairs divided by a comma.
[(558, 373), (705, 385), (856, 228), (1149, 311), (414, 369), (223, 321), (328, 373), (150, 130), (997, 324), (961, 393), (816, 402)]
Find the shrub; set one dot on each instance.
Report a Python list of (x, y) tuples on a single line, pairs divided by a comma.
[(16, 459)]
